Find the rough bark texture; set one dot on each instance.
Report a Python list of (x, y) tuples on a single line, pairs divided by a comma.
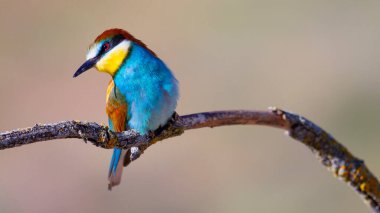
[(332, 155)]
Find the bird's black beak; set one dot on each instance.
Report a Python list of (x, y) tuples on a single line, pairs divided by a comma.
[(86, 66)]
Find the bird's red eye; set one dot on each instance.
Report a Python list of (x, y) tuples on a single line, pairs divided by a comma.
[(106, 46)]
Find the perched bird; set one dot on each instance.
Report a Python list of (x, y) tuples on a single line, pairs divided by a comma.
[(142, 94)]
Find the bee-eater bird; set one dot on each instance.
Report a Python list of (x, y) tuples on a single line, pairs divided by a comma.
[(142, 94)]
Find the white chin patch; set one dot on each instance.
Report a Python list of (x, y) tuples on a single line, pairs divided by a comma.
[(93, 51)]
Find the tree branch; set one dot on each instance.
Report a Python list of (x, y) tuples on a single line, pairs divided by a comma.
[(332, 155)]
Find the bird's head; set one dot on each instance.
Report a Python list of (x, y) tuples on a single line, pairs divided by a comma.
[(109, 50)]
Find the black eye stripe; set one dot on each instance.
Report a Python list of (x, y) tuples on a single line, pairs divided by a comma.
[(112, 43), (116, 40)]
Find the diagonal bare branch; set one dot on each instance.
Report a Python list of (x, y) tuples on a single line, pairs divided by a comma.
[(332, 154)]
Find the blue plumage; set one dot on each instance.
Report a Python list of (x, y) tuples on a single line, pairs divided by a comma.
[(143, 94), (149, 87)]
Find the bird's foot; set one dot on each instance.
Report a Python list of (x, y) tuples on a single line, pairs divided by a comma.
[(174, 118), (151, 134), (168, 124)]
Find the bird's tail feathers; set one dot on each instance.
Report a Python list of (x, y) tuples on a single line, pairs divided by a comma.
[(116, 167)]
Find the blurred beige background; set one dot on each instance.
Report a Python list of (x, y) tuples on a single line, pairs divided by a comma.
[(319, 58)]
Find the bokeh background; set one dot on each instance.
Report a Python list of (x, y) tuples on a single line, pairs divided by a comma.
[(319, 58)]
